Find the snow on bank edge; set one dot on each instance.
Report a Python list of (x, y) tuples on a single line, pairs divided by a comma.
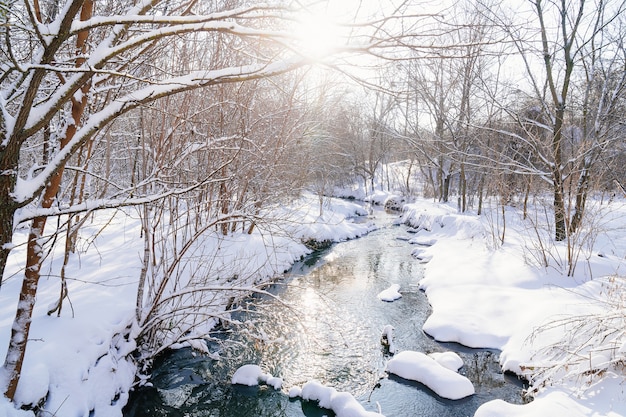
[(78, 362), (485, 297)]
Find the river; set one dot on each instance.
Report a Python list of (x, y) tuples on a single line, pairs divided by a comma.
[(325, 324)]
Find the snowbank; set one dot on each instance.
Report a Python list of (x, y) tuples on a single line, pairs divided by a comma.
[(419, 367), (80, 363), (606, 400), (488, 294), (8, 410), (378, 197), (304, 221)]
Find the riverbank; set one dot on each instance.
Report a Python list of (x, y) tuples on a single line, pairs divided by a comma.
[(564, 333), (325, 333), (80, 363), (484, 293)]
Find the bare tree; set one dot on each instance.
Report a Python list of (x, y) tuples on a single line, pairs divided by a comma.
[(71, 69), (601, 99), (567, 66), (444, 99)]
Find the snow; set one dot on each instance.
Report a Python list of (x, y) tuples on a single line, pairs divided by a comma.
[(7, 409), (422, 242), (387, 338), (492, 295), (555, 402), (81, 362), (343, 404), (448, 360), (390, 294), (252, 375), (420, 367), (390, 201), (483, 293), (420, 255)]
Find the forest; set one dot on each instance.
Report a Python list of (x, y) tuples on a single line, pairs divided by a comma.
[(207, 115)]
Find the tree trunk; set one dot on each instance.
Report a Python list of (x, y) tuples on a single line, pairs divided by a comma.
[(7, 211), (481, 191), (9, 157), (559, 99), (432, 183), (445, 188), (557, 178), (503, 209), (581, 199), (463, 188), (440, 177), (559, 209), (224, 200), (6, 232), (34, 249), (526, 195), (21, 325), (408, 178)]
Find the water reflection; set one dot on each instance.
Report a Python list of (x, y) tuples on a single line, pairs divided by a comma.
[(327, 327)]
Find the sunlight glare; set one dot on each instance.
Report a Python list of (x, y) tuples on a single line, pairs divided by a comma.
[(317, 35)]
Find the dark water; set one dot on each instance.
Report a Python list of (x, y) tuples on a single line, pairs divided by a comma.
[(327, 326)]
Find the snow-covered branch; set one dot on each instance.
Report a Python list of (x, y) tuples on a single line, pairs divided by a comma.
[(28, 189)]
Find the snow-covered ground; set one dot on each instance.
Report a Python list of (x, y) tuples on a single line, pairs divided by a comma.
[(564, 332), (78, 362)]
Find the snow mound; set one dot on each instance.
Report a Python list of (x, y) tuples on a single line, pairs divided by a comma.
[(421, 241), (419, 367), (343, 404), (390, 294), (553, 404), (421, 256), (387, 338), (449, 360), (252, 375), (7, 409), (378, 197), (443, 220), (295, 392), (394, 202), (304, 220)]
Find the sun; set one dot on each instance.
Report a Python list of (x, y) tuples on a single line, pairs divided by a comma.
[(317, 36)]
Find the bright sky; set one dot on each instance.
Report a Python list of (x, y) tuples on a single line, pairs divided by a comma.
[(321, 27), (324, 25)]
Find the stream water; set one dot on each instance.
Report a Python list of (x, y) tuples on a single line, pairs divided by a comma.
[(327, 326)]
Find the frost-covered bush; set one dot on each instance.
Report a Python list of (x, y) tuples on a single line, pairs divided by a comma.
[(585, 347)]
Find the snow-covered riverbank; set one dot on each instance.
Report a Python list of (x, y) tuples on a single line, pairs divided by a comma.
[(488, 294), (78, 364), (483, 293)]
